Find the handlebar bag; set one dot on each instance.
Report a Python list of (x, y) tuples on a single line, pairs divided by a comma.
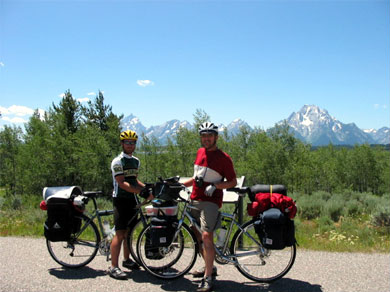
[(167, 191)]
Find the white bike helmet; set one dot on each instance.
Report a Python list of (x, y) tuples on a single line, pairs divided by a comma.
[(208, 127)]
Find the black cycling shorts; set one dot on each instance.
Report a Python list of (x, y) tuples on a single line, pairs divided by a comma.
[(124, 211)]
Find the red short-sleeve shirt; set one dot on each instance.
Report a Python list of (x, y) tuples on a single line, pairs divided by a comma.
[(213, 167)]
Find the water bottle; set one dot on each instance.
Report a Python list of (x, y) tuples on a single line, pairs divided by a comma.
[(111, 234), (107, 230), (221, 236)]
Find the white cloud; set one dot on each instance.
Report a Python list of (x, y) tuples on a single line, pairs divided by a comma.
[(91, 93), (15, 120), (62, 95), (20, 110), (41, 113), (14, 114), (85, 99), (144, 83), (380, 106), (3, 110), (2, 64)]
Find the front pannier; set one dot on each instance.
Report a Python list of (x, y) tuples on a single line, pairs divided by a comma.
[(275, 230), (163, 229), (160, 234)]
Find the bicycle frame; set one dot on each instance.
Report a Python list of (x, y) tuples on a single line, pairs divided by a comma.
[(241, 247), (232, 218)]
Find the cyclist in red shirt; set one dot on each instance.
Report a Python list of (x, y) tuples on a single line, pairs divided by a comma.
[(213, 172)]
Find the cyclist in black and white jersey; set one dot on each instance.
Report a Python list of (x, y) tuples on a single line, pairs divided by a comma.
[(125, 169)]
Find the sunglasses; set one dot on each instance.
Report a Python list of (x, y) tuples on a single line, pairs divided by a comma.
[(129, 142)]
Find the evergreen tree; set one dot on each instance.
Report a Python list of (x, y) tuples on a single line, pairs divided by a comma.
[(10, 143), (69, 111)]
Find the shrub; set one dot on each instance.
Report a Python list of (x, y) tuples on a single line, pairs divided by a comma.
[(309, 207), (322, 195), (369, 201), (16, 202), (354, 208), (381, 216), (334, 208), (324, 223)]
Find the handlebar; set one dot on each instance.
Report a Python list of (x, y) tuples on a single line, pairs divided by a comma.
[(92, 194), (240, 191)]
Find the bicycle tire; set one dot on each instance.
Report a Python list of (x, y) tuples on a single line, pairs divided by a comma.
[(175, 260), (132, 238), (80, 250), (252, 263)]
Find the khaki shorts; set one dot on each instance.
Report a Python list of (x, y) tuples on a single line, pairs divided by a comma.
[(207, 215)]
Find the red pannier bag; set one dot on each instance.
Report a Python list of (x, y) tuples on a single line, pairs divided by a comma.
[(263, 201), (284, 204), (260, 204)]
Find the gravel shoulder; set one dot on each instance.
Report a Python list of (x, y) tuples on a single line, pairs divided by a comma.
[(27, 266)]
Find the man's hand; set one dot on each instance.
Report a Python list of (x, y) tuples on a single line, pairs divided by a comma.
[(146, 193), (210, 190)]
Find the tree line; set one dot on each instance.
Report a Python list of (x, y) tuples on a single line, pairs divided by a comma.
[(73, 144)]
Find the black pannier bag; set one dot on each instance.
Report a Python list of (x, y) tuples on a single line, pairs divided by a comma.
[(162, 230), (151, 251), (59, 223), (160, 234), (289, 233), (275, 230), (62, 217)]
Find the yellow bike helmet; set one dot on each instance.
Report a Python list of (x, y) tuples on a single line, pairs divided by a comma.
[(128, 135)]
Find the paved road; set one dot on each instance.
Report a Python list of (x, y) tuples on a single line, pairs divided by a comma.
[(26, 266)]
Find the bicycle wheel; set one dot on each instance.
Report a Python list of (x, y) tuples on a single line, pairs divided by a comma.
[(80, 249), (132, 237), (168, 262), (266, 266)]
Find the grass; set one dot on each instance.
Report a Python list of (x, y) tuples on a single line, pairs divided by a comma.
[(347, 235), (21, 216)]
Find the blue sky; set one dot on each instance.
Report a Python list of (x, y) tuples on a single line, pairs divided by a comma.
[(161, 60)]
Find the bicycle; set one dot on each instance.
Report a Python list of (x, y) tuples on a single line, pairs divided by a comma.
[(246, 252), (83, 245)]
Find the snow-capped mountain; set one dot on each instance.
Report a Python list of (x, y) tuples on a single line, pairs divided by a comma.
[(381, 136), (310, 124), (234, 127), (166, 130), (170, 128), (161, 132), (132, 123), (317, 127)]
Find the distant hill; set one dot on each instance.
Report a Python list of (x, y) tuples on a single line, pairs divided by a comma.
[(310, 124)]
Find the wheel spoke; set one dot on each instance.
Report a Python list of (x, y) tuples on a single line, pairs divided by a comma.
[(256, 262), (168, 262), (80, 250)]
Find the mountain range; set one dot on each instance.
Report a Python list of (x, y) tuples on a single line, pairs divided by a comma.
[(310, 124)]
